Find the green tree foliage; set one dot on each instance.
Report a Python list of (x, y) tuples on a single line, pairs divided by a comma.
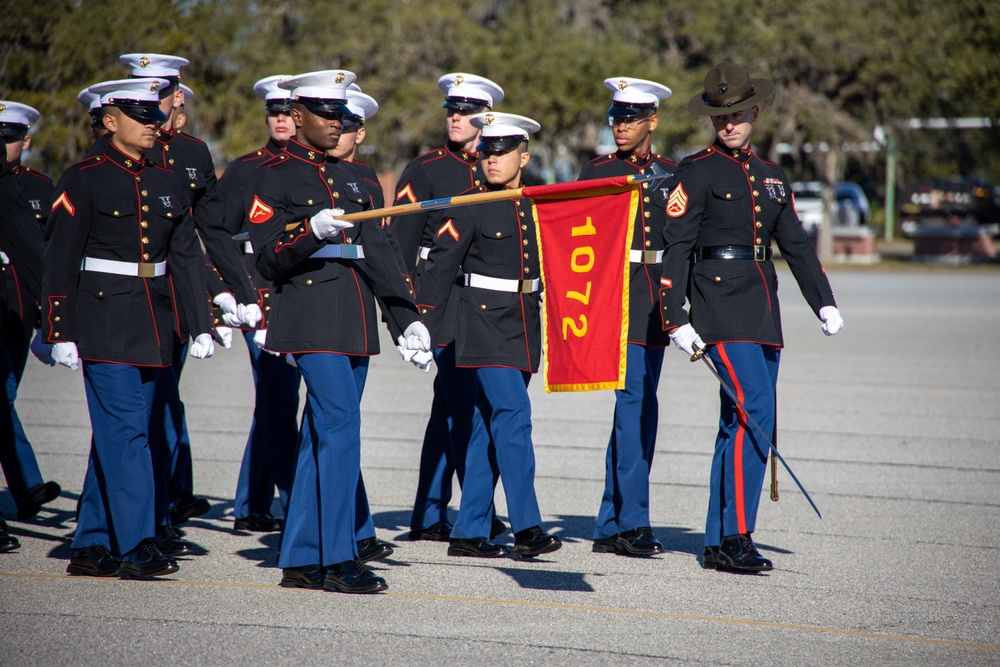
[(841, 67)]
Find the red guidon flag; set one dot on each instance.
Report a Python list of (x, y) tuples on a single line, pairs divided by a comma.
[(584, 238)]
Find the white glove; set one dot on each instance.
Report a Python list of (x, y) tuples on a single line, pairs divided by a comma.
[(202, 346), (417, 337), (66, 354), (325, 224), (260, 340), (685, 338), (41, 349), (250, 315), (230, 309), (422, 360), (225, 337), (832, 321)]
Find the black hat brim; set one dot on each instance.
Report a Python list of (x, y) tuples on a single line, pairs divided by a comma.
[(322, 107), (625, 110), (464, 104), (143, 112), (499, 144)]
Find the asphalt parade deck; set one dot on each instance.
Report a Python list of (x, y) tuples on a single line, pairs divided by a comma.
[(892, 425)]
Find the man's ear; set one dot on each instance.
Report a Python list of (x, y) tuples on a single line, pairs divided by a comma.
[(27, 142), (525, 158), (111, 122)]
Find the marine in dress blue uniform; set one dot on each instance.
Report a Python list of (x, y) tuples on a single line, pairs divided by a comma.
[(20, 467), (497, 335), (726, 208), (22, 243), (326, 273), (623, 524), (190, 159), (270, 452), (119, 244), (362, 107), (444, 172)]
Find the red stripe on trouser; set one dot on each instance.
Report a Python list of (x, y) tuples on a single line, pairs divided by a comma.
[(741, 517)]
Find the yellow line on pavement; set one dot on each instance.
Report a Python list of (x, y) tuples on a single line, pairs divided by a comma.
[(571, 607)]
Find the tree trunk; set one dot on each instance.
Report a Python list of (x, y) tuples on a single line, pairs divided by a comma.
[(831, 172)]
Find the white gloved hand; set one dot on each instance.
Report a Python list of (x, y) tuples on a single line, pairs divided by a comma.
[(422, 360), (250, 315), (405, 354), (417, 337), (685, 338), (202, 346), (41, 349), (260, 340), (225, 337), (230, 309), (832, 321), (325, 224), (66, 354)]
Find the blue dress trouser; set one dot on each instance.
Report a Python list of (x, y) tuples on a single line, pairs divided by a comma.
[(503, 414), (740, 460), (270, 452), (168, 438), (20, 468), (323, 515), (625, 504), (446, 439), (117, 502)]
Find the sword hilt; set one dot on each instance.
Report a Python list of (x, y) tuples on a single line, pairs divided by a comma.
[(699, 352)]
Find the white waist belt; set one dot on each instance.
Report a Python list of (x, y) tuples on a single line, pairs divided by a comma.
[(140, 270), (502, 284), (248, 247), (424, 252), (3, 258), (338, 251), (645, 256)]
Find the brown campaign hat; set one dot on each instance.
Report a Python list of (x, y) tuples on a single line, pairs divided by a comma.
[(728, 89)]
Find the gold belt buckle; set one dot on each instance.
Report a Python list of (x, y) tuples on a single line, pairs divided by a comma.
[(649, 257), (760, 253), (524, 286), (147, 270)]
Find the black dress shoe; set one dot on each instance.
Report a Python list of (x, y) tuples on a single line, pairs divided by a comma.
[(7, 541), (436, 532), (310, 576), (188, 507), (353, 576), (37, 496), (639, 542), (476, 547), (497, 528), (372, 548), (738, 553), (710, 558), (146, 561), (606, 545), (258, 523), (534, 541), (93, 561), (169, 542)]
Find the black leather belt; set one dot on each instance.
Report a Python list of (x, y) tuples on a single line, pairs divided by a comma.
[(758, 253)]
